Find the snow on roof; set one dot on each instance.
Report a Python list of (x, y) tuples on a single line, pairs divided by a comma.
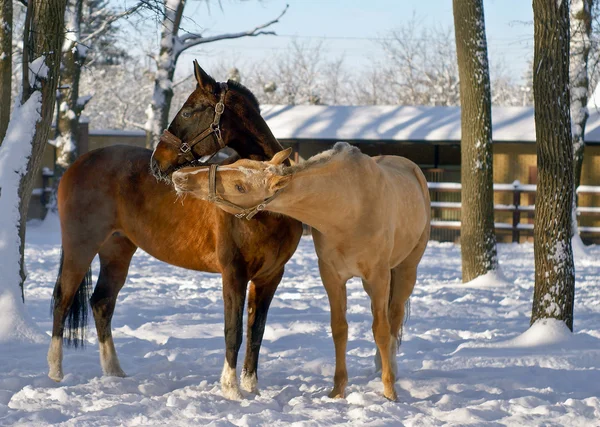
[(399, 123)]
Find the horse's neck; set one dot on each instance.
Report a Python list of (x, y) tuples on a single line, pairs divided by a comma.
[(319, 197), (264, 145)]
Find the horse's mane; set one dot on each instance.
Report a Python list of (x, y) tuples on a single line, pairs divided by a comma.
[(244, 91), (338, 149)]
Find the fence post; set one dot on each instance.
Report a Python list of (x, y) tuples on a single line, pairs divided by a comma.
[(516, 212)]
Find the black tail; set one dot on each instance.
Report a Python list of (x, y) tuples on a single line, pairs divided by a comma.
[(77, 316)]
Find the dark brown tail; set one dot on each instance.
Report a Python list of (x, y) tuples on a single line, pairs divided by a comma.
[(77, 316)]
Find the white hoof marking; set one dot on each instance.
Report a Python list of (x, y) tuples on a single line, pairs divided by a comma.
[(55, 354), (249, 383), (229, 385)]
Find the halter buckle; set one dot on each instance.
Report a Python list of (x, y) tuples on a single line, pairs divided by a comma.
[(217, 131), (261, 207), (185, 148), (219, 108)]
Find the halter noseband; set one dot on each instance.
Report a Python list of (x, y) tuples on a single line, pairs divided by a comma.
[(185, 148), (213, 197)]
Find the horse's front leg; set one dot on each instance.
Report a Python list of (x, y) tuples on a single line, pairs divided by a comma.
[(335, 285), (260, 296), (234, 295)]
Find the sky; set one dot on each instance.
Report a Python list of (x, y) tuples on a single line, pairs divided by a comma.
[(349, 28)]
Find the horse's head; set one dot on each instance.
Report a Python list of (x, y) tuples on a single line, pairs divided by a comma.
[(242, 188), (214, 116)]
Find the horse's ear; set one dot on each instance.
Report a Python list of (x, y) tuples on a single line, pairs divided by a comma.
[(277, 182), (205, 82), (281, 157)]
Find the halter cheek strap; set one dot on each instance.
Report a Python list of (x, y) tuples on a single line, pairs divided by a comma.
[(213, 197)]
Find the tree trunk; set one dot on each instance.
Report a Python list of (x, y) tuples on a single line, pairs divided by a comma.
[(21, 153), (6, 19), (43, 40), (71, 107), (158, 110), (554, 269), (581, 28), (477, 235)]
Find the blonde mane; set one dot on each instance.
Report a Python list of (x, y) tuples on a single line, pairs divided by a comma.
[(340, 148)]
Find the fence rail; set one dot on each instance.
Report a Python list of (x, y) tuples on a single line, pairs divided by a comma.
[(518, 209)]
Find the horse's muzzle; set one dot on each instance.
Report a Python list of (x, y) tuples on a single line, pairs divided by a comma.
[(180, 181)]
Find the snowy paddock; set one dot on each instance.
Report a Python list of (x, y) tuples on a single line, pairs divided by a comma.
[(464, 358)]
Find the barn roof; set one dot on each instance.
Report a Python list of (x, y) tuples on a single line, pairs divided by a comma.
[(400, 123)]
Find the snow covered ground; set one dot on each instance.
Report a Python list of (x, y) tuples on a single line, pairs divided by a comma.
[(464, 358)]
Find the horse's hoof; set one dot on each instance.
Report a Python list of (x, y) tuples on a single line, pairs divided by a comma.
[(56, 376), (336, 394), (391, 395), (232, 393), (249, 383), (118, 373)]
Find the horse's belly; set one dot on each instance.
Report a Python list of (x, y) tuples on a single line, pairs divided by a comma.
[(182, 251)]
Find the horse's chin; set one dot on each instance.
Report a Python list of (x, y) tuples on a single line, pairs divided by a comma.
[(165, 176)]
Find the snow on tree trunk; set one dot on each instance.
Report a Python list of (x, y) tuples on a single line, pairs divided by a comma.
[(477, 235), (581, 28), (6, 14), (71, 106), (554, 270), (14, 154), (20, 157)]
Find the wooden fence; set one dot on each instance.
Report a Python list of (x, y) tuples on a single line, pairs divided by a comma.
[(517, 208)]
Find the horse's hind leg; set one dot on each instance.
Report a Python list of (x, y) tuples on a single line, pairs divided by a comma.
[(403, 279), (71, 282), (378, 287), (260, 296), (401, 287), (115, 257)]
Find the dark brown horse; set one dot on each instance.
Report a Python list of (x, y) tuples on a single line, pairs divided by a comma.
[(110, 204)]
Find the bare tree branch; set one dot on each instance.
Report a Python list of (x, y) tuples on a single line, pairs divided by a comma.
[(190, 39), (106, 24)]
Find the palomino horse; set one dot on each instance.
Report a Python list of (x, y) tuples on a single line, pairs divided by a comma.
[(370, 218), (110, 204)]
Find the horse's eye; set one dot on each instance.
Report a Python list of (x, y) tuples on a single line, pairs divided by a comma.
[(239, 188), (186, 114)]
